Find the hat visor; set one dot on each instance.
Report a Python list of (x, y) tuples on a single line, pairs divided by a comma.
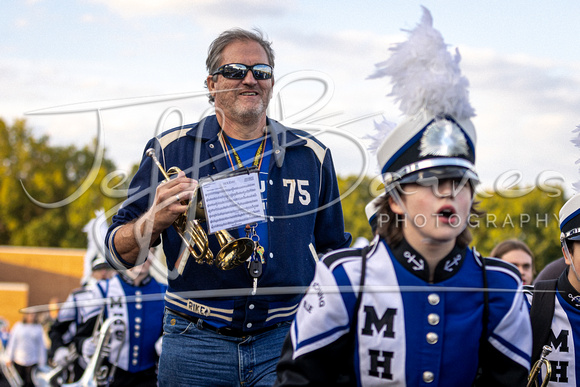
[(430, 176), (574, 237), (102, 266)]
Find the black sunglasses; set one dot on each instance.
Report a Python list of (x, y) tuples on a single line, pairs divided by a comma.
[(239, 71)]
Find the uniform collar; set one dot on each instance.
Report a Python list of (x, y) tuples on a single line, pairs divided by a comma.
[(208, 128), (417, 265), (128, 280), (567, 291)]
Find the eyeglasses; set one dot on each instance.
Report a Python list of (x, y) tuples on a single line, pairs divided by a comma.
[(239, 71)]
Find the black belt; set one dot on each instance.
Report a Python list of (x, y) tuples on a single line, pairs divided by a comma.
[(226, 331)]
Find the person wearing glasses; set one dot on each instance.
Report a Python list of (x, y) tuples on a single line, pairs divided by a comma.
[(220, 329), (418, 307)]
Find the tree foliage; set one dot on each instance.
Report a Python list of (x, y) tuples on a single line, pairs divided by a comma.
[(530, 215), (49, 174), (353, 205)]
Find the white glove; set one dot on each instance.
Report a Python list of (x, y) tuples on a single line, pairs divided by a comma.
[(88, 349), (158, 345), (61, 355)]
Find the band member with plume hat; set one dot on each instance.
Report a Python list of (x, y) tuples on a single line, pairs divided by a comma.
[(419, 307)]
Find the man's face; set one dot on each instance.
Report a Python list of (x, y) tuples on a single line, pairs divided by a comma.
[(242, 101), (101, 274), (523, 262)]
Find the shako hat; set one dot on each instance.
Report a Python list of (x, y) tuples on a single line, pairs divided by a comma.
[(570, 212), (436, 138), (570, 219)]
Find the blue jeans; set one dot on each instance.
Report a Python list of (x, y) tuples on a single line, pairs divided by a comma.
[(194, 356)]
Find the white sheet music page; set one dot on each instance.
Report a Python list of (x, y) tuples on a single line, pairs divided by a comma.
[(232, 202)]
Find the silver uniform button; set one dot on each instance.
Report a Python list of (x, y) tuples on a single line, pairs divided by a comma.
[(211, 146), (433, 318), (138, 306), (137, 334), (249, 325), (137, 320), (433, 298), (251, 306), (137, 327), (135, 362), (428, 377), (432, 337), (135, 348)]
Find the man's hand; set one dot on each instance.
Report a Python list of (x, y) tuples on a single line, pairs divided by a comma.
[(132, 238), (171, 200)]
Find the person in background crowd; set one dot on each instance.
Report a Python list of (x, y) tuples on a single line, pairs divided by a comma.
[(137, 298), (62, 351), (26, 348), (235, 338), (519, 254), (6, 373), (397, 314), (62, 332)]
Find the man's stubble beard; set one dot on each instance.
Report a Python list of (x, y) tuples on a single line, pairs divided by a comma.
[(246, 115)]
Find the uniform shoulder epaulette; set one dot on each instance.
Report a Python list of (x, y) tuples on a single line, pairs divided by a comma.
[(500, 264), (333, 257)]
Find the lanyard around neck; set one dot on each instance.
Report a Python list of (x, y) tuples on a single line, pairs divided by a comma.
[(258, 157)]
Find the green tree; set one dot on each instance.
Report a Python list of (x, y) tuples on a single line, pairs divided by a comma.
[(33, 170), (531, 217), (354, 199)]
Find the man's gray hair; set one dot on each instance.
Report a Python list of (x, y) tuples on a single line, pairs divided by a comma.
[(214, 53)]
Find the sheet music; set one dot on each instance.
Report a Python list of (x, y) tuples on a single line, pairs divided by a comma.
[(232, 202)]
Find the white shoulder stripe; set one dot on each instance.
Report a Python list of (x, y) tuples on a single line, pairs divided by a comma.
[(318, 150), (170, 137)]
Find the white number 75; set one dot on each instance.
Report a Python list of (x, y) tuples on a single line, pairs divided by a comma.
[(304, 194)]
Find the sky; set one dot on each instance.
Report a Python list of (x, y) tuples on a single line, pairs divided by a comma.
[(141, 65)]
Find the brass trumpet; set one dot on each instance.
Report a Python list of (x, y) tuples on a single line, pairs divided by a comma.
[(233, 252), (533, 376), (97, 373)]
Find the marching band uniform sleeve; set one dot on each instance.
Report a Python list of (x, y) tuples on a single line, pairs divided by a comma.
[(506, 354), (319, 347), (407, 331)]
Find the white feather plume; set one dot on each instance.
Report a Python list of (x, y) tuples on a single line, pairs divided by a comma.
[(96, 230), (425, 75), (576, 142), (381, 130)]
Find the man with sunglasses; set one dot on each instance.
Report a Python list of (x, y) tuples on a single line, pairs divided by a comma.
[(226, 327)]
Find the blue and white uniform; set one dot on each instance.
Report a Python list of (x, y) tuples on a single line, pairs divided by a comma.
[(141, 308), (63, 330), (564, 335), (303, 219), (409, 332)]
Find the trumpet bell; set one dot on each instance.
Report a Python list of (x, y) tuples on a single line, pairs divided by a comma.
[(233, 252)]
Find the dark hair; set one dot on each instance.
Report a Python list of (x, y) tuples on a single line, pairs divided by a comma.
[(508, 245), (214, 53), (388, 224)]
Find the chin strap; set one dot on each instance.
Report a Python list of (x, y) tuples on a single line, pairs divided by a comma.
[(569, 256)]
